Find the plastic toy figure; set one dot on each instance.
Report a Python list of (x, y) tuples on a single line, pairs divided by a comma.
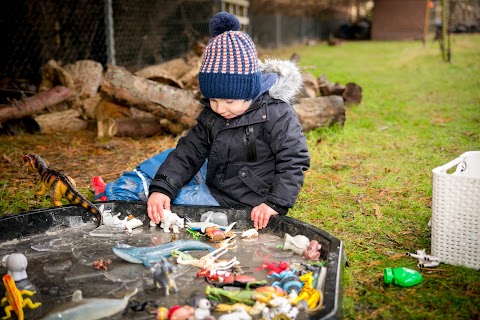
[(113, 220), (89, 308), (147, 255), (238, 314), (424, 260), (101, 264), (202, 311), (254, 310), (297, 244), (250, 233), (274, 267), (220, 278), (201, 226), (220, 295), (16, 264), (287, 280), (219, 218), (162, 277), (214, 234), (308, 293), (14, 299), (313, 250), (185, 312), (171, 219), (280, 305), (208, 261)]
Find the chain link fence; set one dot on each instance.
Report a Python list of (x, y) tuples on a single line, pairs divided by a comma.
[(131, 33)]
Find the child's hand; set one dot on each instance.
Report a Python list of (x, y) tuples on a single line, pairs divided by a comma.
[(156, 203), (261, 214)]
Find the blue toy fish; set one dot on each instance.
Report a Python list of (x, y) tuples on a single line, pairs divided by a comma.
[(148, 255)]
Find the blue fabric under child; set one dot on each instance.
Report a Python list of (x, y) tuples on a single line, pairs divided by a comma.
[(133, 185)]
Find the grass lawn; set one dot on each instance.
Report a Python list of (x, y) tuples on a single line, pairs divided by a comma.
[(370, 183)]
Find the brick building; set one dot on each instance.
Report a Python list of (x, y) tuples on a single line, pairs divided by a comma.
[(398, 19)]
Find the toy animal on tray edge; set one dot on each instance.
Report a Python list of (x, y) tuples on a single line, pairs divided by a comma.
[(170, 219), (59, 185), (113, 220)]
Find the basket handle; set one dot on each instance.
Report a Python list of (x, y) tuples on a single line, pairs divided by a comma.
[(451, 164)]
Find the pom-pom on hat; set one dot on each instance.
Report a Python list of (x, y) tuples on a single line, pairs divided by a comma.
[(229, 68)]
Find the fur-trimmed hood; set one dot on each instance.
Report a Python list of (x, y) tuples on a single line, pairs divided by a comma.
[(289, 78)]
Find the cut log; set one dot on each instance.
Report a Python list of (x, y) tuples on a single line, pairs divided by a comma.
[(352, 94), (163, 101), (62, 121), (310, 86), (135, 127), (35, 104), (329, 89), (180, 72), (320, 112)]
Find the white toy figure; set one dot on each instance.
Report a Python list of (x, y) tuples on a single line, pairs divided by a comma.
[(170, 219), (202, 311), (424, 260), (129, 223), (280, 305), (297, 244), (238, 314), (219, 218), (16, 264)]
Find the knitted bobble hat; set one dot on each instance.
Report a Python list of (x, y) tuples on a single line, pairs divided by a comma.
[(229, 68)]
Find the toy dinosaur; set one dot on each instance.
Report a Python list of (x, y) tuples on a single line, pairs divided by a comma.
[(59, 185), (14, 299)]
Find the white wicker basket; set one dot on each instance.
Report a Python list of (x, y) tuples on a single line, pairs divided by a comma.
[(456, 211)]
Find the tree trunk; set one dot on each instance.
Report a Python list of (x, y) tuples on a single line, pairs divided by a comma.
[(320, 112), (163, 101), (136, 127), (35, 104)]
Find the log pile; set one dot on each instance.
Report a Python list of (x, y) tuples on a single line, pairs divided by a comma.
[(151, 101)]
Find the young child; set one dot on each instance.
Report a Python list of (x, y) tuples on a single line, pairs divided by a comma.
[(247, 148)]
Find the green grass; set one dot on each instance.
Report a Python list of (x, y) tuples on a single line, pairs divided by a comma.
[(370, 183)]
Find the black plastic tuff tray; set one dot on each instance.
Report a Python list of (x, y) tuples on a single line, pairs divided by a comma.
[(19, 228)]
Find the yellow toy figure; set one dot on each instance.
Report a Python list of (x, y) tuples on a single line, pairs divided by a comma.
[(14, 299), (308, 293), (59, 185)]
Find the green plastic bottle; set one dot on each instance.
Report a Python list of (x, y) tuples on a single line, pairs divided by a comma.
[(401, 276)]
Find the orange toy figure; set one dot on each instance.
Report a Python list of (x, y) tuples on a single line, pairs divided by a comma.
[(185, 312), (214, 234), (14, 299)]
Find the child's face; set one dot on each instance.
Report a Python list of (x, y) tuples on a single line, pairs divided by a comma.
[(229, 108)]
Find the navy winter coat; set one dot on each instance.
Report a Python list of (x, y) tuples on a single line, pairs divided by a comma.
[(258, 157)]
